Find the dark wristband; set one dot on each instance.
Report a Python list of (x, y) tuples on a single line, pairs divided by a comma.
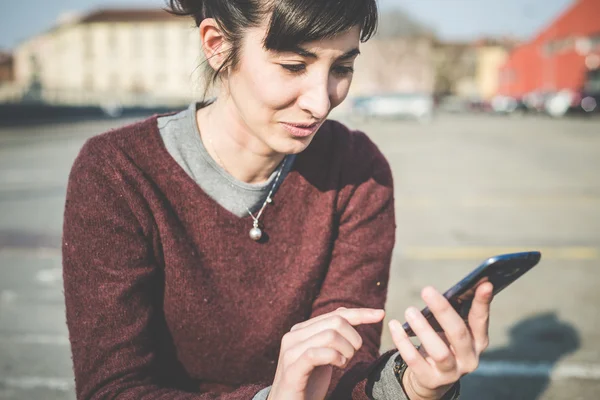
[(400, 368)]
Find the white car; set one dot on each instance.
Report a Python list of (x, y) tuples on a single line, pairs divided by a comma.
[(417, 106)]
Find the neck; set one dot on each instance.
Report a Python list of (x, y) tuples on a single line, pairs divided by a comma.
[(230, 143)]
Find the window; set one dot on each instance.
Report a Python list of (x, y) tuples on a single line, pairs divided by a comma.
[(115, 83), (160, 42), (88, 83), (88, 43), (112, 41), (136, 41)]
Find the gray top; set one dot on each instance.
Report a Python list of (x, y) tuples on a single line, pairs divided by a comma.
[(181, 136)]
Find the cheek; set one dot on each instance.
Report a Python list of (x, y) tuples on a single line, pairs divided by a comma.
[(266, 86), (339, 91)]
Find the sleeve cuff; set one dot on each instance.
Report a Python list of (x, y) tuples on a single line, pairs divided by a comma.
[(385, 386), (263, 394)]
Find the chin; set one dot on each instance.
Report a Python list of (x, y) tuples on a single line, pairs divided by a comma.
[(294, 145)]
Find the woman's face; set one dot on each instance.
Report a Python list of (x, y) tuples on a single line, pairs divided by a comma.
[(282, 98)]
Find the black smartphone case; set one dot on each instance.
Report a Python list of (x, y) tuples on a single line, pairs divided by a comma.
[(500, 270)]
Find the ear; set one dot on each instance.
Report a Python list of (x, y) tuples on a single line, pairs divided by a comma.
[(213, 42)]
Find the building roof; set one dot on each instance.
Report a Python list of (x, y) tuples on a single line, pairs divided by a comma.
[(127, 15), (581, 18)]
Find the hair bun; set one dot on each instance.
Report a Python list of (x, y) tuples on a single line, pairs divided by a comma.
[(193, 8)]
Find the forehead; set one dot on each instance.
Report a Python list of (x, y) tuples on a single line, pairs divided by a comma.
[(340, 43)]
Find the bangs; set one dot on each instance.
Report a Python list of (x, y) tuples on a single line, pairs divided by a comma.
[(294, 22)]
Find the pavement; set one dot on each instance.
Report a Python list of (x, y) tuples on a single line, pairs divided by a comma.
[(467, 187)]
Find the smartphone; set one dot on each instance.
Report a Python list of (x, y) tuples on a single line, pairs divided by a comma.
[(500, 270)]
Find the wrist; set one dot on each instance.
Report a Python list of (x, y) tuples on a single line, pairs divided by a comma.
[(414, 392)]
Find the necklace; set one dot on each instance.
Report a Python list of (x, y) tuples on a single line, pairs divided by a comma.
[(255, 233)]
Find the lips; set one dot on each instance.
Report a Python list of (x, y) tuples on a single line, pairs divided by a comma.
[(301, 129)]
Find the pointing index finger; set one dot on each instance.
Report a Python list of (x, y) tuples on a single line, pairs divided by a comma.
[(354, 316)]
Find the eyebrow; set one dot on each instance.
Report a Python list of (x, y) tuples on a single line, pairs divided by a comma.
[(308, 54)]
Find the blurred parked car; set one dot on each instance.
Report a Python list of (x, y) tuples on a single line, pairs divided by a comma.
[(585, 100), (569, 101), (508, 105), (418, 106), (453, 104), (535, 101), (477, 104)]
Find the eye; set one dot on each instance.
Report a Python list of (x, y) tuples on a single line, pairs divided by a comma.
[(342, 71), (295, 68)]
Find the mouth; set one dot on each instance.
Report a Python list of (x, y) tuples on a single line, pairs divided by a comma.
[(301, 129)]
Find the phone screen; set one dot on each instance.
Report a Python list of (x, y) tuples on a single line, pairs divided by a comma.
[(500, 270)]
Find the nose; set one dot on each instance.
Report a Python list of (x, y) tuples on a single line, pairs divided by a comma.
[(316, 99)]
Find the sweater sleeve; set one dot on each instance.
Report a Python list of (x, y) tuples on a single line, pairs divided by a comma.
[(358, 273), (110, 284)]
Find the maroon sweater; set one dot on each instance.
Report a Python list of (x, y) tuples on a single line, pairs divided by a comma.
[(168, 298)]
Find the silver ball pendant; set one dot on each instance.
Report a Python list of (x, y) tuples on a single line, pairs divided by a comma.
[(255, 234)]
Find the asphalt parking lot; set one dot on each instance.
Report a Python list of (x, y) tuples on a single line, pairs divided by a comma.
[(467, 187)]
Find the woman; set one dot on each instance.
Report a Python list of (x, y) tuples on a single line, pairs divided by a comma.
[(240, 249)]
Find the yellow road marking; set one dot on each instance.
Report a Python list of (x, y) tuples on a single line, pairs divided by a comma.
[(581, 253)]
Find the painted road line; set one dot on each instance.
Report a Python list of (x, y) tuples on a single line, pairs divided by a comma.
[(50, 276), (31, 252), (495, 202), (33, 339), (530, 201), (434, 253), (37, 382), (539, 370)]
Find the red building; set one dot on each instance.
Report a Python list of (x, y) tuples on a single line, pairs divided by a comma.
[(560, 57)]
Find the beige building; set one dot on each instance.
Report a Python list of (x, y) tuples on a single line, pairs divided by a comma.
[(126, 56), (148, 56), (470, 69), (490, 59)]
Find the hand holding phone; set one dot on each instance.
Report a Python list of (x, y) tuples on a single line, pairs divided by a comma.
[(500, 270), (442, 359)]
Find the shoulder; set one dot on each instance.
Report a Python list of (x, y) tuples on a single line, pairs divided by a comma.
[(127, 143), (110, 156), (131, 136)]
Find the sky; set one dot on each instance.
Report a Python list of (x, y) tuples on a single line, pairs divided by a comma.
[(451, 19)]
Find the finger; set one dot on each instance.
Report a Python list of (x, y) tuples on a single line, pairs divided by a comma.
[(456, 331), (328, 338), (438, 351), (408, 352), (333, 322), (312, 358), (479, 316), (355, 316)]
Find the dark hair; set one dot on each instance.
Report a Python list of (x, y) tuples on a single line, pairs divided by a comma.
[(292, 22)]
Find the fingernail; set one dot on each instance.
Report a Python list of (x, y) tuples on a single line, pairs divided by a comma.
[(394, 326), (412, 312), (377, 313)]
